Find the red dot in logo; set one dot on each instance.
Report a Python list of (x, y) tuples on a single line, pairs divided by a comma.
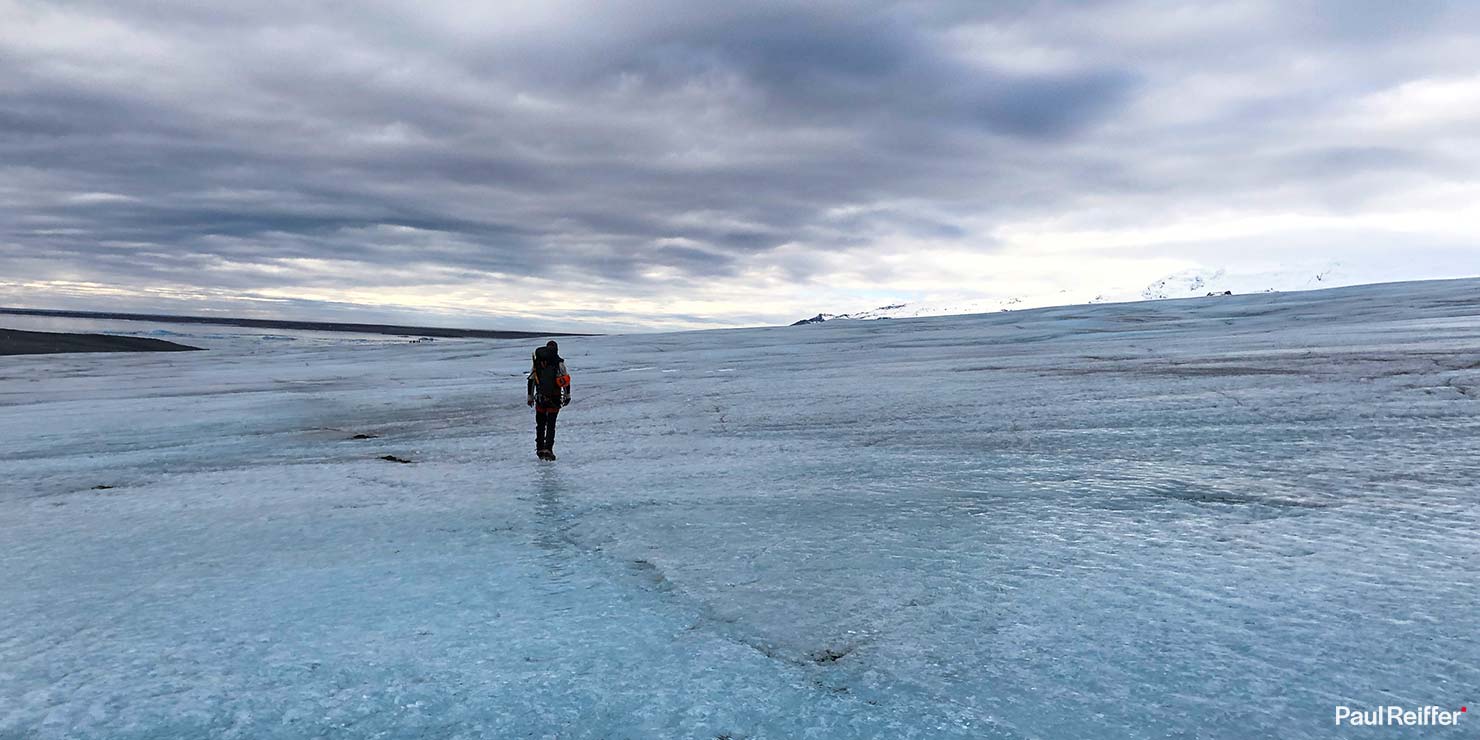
[(1463, 709)]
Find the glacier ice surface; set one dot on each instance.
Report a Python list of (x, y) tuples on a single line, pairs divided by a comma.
[(1202, 518)]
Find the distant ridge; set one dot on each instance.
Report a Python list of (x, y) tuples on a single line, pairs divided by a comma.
[(392, 329), (1196, 283), (14, 342)]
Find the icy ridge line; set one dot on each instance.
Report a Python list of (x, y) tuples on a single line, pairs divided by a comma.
[(1195, 283)]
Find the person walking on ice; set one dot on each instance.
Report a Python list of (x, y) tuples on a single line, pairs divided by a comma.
[(549, 391)]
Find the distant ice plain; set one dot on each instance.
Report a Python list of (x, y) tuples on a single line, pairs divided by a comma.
[(1211, 518)]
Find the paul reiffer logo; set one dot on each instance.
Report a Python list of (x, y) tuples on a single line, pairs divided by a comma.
[(1392, 716)]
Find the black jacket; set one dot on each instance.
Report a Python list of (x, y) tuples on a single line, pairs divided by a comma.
[(549, 381)]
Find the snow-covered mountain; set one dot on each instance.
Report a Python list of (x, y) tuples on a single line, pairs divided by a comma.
[(912, 310), (1194, 283)]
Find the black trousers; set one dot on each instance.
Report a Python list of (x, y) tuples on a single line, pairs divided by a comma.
[(544, 429)]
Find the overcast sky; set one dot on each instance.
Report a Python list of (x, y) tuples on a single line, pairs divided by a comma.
[(610, 165)]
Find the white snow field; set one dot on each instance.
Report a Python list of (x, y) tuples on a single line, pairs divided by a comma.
[(1207, 518)]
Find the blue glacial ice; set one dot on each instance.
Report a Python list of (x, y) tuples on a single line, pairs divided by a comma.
[(1213, 518)]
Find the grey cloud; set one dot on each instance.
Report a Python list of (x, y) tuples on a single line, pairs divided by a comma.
[(600, 145)]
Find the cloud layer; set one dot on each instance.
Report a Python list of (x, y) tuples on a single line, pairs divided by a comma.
[(665, 164)]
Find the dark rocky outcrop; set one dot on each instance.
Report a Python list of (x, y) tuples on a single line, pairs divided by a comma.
[(16, 342)]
